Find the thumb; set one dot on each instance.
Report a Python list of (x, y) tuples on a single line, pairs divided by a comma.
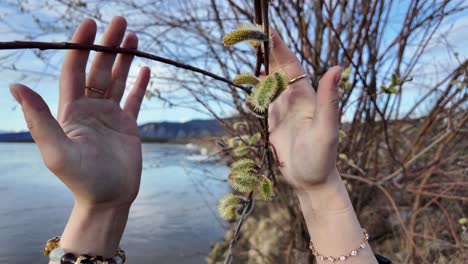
[(44, 128), (327, 110)]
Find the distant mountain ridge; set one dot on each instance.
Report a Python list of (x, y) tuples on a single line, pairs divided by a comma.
[(167, 131), (16, 137), (151, 132)]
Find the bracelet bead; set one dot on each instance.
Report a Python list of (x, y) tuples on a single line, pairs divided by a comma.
[(68, 258), (50, 245), (56, 254), (118, 260)]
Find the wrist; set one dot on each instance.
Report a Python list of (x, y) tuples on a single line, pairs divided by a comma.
[(329, 196), (94, 229), (332, 223)]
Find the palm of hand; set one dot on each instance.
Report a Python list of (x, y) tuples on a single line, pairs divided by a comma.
[(104, 161), (304, 124), (305, 148)]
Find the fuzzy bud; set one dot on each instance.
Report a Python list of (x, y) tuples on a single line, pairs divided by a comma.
[(265, 189), (227, 206), (345, 74), (244, 182), (241, 150), (255, 138), (246, 78), (244, 165), (341, 135), (264, 93), (342, 156), (246, 32), (389, 90), (281, 81)]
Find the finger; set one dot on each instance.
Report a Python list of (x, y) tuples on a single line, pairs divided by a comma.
[(327, 111), (101, 70), (44, 128), (73, 75), (136, 95), (121, 68), (282, 58)]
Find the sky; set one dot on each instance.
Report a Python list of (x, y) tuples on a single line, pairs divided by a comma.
[(46, 83)]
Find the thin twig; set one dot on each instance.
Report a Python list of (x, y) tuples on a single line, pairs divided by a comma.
[(247, 208), (16, 45)]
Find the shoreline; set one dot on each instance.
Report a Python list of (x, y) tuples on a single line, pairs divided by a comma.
[(202, 141)]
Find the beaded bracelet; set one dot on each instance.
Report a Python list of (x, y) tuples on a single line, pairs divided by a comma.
[(55, 253), (353, 252)]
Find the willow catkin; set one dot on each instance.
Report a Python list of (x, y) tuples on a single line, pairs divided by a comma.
[(264, 93), (265, 188), (244, 165), (244, 182), (227, 205), (245, 78), (251, 33)]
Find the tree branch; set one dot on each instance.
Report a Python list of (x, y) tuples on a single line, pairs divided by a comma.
[(15, 45)]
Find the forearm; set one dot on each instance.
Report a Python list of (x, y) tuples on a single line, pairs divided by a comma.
[(332, 223), (94, 230)]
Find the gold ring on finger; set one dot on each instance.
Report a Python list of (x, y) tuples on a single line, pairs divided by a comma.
[(101, 92), (297, 79)]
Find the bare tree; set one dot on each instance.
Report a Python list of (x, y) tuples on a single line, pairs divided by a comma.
[(405, 161)]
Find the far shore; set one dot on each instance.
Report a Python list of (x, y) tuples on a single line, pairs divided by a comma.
[(208, 142)]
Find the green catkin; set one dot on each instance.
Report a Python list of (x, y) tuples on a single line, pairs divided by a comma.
[(241, 151), (281, 81), (243, 165), (341, 135), (343, 156), (255, 138), (348, 86), (246, 78), (232, 142), (230, 213), (227, 205), (257, 43), (463, 221), (254, 43), (264, 93), (251, 33), (244, 182), (345, 74), (265, 189), (238, 141), (389, 90), (244, 139), (395, 80)]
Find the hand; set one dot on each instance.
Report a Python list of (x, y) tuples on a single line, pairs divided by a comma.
[(304, 131), (304, 124), (94, 146)]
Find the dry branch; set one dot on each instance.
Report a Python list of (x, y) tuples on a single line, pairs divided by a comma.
[(16, 45)]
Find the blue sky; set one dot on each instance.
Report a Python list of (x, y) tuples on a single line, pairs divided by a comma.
[(46, 84), (438, 61)]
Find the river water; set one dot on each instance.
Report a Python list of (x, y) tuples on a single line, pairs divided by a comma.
[(173, 220)]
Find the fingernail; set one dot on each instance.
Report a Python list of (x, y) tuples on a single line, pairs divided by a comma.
[(338, 76), (15, 95)]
